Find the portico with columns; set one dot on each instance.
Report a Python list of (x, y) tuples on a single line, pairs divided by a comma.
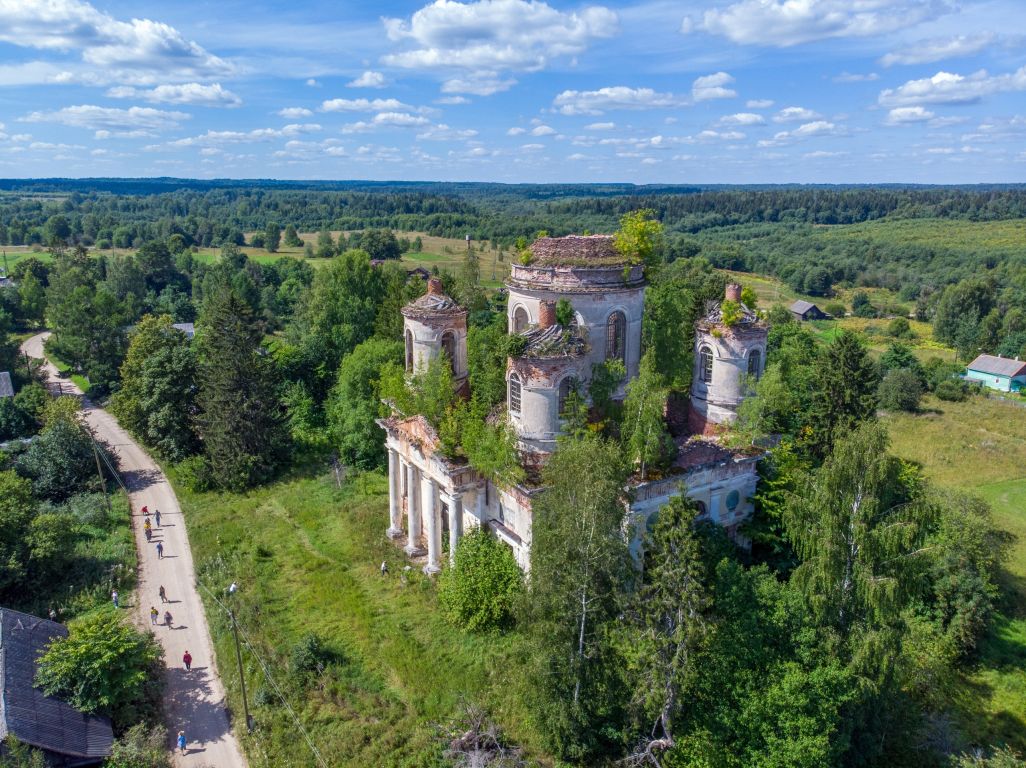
[(427, 493)]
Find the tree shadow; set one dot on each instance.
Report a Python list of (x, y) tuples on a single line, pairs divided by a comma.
[(141, 479), (193, 708)]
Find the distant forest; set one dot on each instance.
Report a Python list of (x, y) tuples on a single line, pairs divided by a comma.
[(772, 230)]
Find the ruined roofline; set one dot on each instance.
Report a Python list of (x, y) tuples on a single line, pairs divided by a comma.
[(576, 250), (434, 303)]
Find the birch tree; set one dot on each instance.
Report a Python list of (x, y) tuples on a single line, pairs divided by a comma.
[(580, 568), (646, 440)]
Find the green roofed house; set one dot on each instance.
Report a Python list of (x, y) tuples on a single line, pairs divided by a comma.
[(1002, 373)]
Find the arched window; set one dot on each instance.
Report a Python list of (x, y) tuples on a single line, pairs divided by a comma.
[(702, 510), (409, 351), (566, 386), (514, 395), (616, 337), (449, 348), (754, 363), (705, 364), (732, 500), (520, 320)]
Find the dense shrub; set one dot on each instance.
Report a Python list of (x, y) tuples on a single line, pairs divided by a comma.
[(899, 328), (900, 390), (835, 308), (480, 590), (952, 390)]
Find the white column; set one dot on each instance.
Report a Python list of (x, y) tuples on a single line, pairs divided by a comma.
[(395, 514), (413, 548), (429, 496), (455, 525)]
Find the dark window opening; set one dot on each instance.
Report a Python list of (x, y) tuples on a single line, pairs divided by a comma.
[(616, 337)]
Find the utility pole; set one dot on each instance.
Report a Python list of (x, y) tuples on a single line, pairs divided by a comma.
[(99, 470), (238, 657)]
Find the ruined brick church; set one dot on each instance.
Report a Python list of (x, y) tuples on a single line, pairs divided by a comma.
[(434, 499)]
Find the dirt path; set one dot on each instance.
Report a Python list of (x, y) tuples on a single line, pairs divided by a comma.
[(195, 699)]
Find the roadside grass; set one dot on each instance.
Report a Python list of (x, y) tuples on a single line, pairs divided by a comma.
[(65, 369), (980, 446), (306, 556)]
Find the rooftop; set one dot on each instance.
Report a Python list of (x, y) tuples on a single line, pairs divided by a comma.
[(801, 306), (576, 250), (26, 712), (714, 316), (434, 302), (998, 366)]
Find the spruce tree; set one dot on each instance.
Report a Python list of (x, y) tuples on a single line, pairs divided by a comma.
[(240, 419), (845, 389)]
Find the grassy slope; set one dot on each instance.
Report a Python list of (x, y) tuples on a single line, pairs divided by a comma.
[(306, 556), (980, 445)]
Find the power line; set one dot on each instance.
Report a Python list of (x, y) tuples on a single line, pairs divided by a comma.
[(270, 679)]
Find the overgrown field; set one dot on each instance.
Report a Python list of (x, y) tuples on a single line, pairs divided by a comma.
[(980, 446), (306, 556)]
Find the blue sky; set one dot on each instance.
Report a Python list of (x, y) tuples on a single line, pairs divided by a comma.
[(734, 91)]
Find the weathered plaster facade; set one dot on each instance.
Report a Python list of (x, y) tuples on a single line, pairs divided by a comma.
[(727, 360)]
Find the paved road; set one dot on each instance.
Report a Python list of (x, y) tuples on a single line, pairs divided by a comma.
[(196, 699)]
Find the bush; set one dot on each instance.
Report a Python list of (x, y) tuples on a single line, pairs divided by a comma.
[(481, 589), (952, 390), (900, 391), (835, 308), (195, 473), (900, 329), (105, 665), (140, 747)]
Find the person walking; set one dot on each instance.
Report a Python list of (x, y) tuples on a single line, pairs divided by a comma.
[(53, 614), (163, 594), (145, 510), (160, 550), (180, 741), (154, 613), (114, 598), (384, 568), (187, 660), (167, 619), (156, 516)]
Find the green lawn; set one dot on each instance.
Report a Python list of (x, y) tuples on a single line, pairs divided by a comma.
[(306, 557), (64, 369), (980, 445)]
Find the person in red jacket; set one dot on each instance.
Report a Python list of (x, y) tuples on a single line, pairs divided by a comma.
[(187, 660)]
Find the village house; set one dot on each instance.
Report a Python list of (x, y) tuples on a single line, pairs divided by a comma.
[(433, 499), (66, 736), (1004, 374)]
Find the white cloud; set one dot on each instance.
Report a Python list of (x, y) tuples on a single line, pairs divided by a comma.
[(907, 115), (804, 131), (718, 136), (759, 103), (713, 87), (784, 23), (948, 88), (600, 126), (313, 83), (542, 130), (220, 138), (939, 48), (452, 100), (195, 94), (488, 37), (795, 114), (516, 131), (443, 132), (479, 83), (848, 77), (822, 153), (365, 105), (614, 97), (743, 118), (386, 120), (137, 51), (110, 118), (294, 113), (368, 79), (576, 156)]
